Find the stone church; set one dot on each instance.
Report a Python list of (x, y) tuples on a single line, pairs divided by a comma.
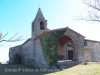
[(47, 47)]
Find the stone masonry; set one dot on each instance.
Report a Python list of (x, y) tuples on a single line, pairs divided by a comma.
[(92, 51), (31, 50)]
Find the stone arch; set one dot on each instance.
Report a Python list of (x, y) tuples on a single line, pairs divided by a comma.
[(42, 26), (62, 48)]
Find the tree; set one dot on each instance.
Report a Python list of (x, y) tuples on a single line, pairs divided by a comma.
[(93, 11), (10, 39)]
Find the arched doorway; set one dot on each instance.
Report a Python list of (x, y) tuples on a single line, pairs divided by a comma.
[(66, 48)]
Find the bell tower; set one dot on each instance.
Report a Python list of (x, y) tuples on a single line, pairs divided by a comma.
[(39, 24)]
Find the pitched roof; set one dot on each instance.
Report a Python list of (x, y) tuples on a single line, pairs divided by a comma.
[(26, 41), (39, 14), (66, 28), (91, 40)]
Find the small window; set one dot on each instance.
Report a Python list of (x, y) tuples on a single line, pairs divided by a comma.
[(42, 25), (69, 44), (85, 43)]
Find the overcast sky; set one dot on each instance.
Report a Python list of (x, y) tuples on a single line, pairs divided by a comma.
[(17, 16)]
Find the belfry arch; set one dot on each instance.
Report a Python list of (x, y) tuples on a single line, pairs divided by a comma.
[(66, 48), (42, 26)]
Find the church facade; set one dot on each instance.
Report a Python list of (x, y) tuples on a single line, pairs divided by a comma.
[(46, 47)]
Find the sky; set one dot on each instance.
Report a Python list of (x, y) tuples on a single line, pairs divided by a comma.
[(17, 16)]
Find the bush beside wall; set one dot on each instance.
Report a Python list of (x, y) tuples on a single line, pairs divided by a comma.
[(49, 43), (17, 59)]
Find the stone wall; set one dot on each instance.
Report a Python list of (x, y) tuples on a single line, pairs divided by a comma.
[(13, 51), (39, 58), (32, 54), (92, 51), (79, 44), (26, 57)]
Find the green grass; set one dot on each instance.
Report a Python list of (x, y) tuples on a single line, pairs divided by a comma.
[(89, 69)]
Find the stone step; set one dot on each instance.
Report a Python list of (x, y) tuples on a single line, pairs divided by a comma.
[(66, 64)]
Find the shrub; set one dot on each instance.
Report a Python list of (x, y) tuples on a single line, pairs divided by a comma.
[(17, 59), (49, 43)]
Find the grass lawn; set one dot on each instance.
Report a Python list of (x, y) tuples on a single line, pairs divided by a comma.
[(11, 69), (89, 69)]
